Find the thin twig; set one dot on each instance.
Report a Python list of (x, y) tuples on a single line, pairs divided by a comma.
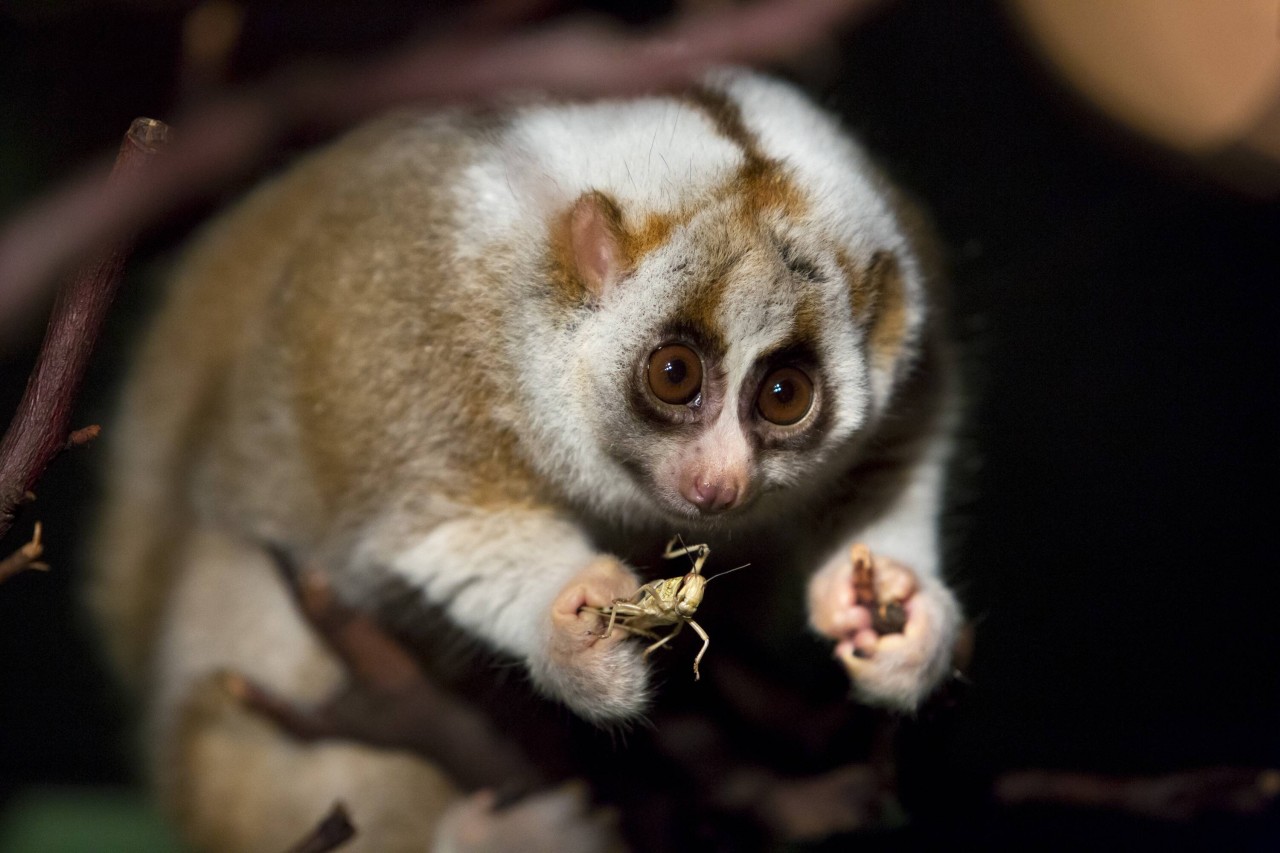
[(40, 427), (24, 558)]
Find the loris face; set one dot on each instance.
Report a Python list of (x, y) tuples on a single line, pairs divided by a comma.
[(728, 365)]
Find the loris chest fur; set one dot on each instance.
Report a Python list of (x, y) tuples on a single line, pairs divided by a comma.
[(478, 353)]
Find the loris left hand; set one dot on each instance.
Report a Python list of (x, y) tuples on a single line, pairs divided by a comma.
[(897, 670), (603, 679)]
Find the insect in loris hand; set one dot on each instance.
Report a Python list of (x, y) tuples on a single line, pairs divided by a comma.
[(671, 601)]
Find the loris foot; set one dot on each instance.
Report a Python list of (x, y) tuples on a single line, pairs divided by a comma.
[(603, 679), (893, 669)]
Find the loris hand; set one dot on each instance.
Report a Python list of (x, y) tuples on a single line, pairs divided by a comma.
[(893, 669), (602, 679)]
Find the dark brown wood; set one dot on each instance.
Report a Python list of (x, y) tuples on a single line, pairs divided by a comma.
[(41, 426)]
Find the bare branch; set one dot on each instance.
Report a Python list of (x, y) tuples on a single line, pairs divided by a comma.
[(40, 427)]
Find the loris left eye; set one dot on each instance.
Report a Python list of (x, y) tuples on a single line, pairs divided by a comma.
[(785, 396)]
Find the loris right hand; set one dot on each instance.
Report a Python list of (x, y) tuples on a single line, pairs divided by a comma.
[(602, 679)]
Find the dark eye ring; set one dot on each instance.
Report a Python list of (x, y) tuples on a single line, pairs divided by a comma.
[(675, 374), (785, 396)]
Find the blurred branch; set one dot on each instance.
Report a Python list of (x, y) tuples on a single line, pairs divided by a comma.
[(227, 139), (40, 427), (330, 834), (1172, 797)]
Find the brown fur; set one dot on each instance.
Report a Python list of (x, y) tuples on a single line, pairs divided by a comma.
[(265, 287), (889, 313), (761, 183)]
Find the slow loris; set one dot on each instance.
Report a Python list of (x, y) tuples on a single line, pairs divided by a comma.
[(459, 350)]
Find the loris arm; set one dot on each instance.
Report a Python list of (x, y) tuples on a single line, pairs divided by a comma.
[(517, 579), (896, 670)]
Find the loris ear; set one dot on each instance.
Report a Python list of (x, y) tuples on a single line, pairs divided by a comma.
[(595, 241)]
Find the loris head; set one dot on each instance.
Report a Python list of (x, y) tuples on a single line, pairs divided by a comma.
[(728, 355), (732, 300)]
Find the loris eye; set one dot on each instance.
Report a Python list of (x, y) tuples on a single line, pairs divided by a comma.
[(675, 374), (785, 396)]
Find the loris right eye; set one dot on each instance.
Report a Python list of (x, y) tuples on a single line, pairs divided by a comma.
[(675, 374)]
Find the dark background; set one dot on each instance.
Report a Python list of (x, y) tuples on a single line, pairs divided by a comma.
[(1112, 528)]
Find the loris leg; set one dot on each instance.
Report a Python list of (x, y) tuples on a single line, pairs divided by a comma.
[(233, 780), (529, 583), (237, 783)]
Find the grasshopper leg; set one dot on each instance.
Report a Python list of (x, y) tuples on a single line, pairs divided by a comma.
[(673, 552), (664, 640), (619, 608), (706, 641)]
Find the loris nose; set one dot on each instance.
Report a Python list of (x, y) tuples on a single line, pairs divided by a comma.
[(711, 494)]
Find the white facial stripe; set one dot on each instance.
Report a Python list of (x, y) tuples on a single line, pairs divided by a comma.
[(753, 327), (724, 446)]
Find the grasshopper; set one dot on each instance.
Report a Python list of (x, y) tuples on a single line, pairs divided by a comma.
[(672, 601)]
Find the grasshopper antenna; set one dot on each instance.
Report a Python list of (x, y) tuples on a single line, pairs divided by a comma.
[(727, 572), (680, 539)]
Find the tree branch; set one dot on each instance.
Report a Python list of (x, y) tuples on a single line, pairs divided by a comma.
[(40, 427)]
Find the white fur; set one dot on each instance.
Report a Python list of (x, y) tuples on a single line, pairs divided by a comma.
[(497, 573)]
